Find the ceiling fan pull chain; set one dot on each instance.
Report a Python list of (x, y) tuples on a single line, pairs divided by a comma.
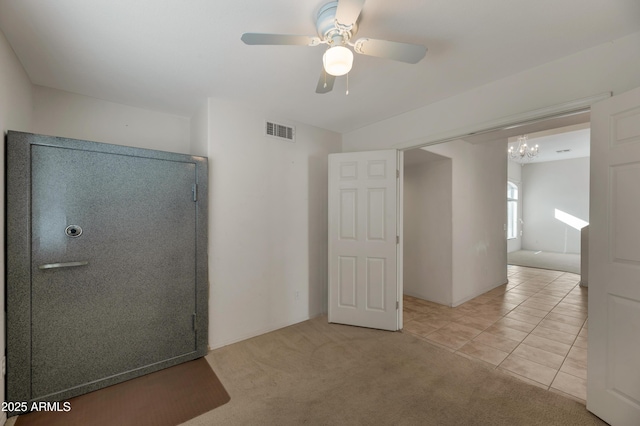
[(347, 84), (324, 72)]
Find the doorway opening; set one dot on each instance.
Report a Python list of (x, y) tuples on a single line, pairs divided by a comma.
[(553, 189), (463, 293)]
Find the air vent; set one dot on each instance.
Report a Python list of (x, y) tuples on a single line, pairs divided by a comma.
[(563, 151), (279, 131)]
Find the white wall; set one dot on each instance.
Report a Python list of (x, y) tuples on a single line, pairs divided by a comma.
[(611, 67), (479, 174), (514, 174), (65, 114), (547, 186), (200, 131), (427, 241), (268, 223), (15, 114)]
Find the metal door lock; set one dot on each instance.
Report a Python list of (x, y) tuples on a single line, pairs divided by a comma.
[(73, 231)]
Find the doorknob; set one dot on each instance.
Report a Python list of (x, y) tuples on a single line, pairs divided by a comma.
[(63, 265)]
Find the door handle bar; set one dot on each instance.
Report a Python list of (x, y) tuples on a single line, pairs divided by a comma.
[(63, 265)]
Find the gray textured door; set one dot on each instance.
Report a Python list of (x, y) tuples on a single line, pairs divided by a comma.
[(114, 264), (137, 217)]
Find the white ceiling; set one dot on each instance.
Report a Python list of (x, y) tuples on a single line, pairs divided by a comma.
[(559, 144), (414, 157), (170, 55)]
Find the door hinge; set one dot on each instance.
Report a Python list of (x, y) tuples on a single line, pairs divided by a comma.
[(397, 305), (397, 239), (195, 323), (194, 190), (397, 174)]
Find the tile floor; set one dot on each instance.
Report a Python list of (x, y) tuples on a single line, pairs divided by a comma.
[(534, 328)]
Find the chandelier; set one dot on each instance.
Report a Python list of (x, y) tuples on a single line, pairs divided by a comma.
[(522, 152)]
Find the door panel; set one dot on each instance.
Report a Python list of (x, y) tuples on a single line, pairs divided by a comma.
[(121, 293), (137, 217), (613, 386), (363, 250)]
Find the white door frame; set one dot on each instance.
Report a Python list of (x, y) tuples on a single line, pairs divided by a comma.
[(508, 122), (400, 246), (531, 117)]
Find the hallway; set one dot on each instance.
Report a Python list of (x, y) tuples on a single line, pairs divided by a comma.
[(534, 328)]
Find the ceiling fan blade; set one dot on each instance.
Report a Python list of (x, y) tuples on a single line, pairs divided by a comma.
[(279, 39), (348, 11), (325, 82), (404, 52)]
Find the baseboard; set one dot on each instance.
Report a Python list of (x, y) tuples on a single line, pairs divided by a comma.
[(476, 294), (262, 331), (419, 296)]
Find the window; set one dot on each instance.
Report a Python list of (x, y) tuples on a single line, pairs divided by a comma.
[(512, 210)]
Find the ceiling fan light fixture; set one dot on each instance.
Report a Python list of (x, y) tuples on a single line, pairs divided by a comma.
[(337, 60)]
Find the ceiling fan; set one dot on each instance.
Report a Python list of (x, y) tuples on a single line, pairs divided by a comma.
[(336, 24)]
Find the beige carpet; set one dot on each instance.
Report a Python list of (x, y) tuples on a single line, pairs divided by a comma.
[(315, 373)]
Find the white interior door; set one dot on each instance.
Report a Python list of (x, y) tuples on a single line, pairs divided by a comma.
[(613, 386), (365, 287)]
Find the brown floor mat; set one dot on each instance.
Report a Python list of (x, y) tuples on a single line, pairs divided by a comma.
[(164, 398)]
